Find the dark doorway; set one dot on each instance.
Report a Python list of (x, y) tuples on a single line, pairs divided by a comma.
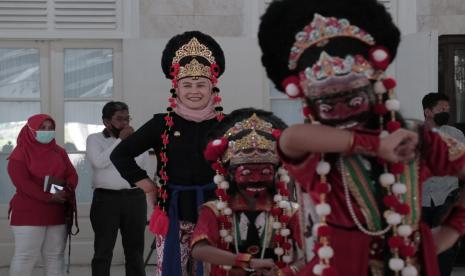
[(451, 69)]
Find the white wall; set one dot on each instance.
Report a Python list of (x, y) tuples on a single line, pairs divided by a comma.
[(146, 90)]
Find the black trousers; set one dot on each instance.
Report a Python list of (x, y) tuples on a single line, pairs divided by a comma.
[(124, 210), (433, 216)]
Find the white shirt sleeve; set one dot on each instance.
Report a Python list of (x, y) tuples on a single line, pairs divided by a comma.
[(98, 155)]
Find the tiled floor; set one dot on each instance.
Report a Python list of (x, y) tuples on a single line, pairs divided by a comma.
[(117, 270), (459, 271)]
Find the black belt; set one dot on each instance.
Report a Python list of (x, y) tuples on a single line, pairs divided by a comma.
[(119, 192)]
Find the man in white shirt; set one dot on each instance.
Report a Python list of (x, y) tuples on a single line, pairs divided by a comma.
[(116, 204), (439, 193)]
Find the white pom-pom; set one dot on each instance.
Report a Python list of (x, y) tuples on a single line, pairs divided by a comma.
[(292, 90), (218, 178), (399, 188), (285, 232), (404, 230), (318, 269), (285, 178), (387, 179), (227, 211), (396, 264), (393, 218), (226, 267), (323, 209), (409, 270), (224, 185), (284, 204), (295, 205), (380, 55), (223, 233), (384, 134), (282, 171), (216, 142), (279, 251), (278, 198), (325, 252), (276, 225), (379, 88), (228, 238), (393, 105), (323, 167), (220, 205), (287, 259)]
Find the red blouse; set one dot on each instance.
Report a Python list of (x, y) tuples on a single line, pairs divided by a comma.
[(30, 205)]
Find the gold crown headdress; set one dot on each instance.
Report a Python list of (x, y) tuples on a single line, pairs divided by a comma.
[(253, 147), (194, 68), (320, 31)]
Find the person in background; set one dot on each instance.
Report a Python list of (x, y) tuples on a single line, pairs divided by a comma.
[(38, 216), (193, 61), (115, 204), (440, 193)]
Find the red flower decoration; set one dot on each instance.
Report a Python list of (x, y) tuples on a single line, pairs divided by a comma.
[(322, 188), (380, 109), (286, 246), (324, 230), (284, 218), (217, 99), (395, 242), (292, 88), (329, 271), (391, 201), (215, 149), (379, 57), (389, 83), (276, 211), (403, 209), (393, 126), (397, 168), (276, 133), (407, 251)]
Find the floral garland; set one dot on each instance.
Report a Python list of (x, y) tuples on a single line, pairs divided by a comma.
[(160, 211)]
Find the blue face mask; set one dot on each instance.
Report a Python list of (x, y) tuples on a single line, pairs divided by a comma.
[(45, 136)]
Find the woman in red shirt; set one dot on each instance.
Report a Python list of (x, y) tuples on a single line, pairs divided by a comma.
[(37, 216)]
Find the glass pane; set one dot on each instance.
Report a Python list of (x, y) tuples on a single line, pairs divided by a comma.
[(84, 170), (290, 111), (88, 73), (19, 73), (13, 116), (459, 80), (81, 119), (6, 187)]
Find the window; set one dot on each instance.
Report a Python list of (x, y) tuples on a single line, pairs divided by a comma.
[(83, 77)]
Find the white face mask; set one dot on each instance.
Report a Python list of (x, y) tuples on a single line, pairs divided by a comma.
[(45, 136)]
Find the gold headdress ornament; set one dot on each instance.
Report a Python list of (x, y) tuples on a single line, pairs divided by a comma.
[(320, 31), (194, 68), (252, 148)]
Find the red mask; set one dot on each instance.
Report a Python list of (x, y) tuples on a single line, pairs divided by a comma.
[(344, 110), (255, 179)]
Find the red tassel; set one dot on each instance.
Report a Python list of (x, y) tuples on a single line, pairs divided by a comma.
[(159, 222)]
